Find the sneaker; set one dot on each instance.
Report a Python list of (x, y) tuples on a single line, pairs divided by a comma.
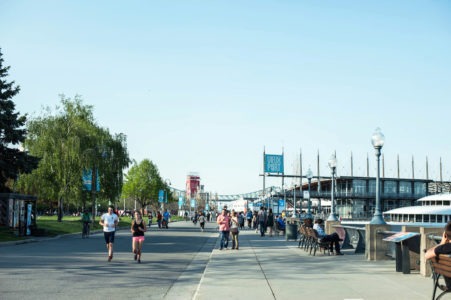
[(339, 253), (136, 256), (110, 258), (221, 248), (139, 261)]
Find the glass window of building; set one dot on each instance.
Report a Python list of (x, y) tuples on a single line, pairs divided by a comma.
[(372, 186), (390, 187), (359, 186), (420, 188), (405, 187)]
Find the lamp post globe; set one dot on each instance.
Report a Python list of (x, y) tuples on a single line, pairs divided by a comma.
[(332, 165), (309, 176), (378, 140)]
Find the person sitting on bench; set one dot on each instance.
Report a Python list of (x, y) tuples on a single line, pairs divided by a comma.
[(443, 248), (281, 224), (333, 238)]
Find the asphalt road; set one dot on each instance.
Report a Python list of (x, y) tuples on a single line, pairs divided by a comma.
[(70, 267)]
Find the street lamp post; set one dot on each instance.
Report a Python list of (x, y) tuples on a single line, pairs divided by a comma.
[(294, 201), (378, 140), (332, 165), (309, 175)]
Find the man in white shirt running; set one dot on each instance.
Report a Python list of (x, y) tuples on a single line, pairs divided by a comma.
[(109, 222)]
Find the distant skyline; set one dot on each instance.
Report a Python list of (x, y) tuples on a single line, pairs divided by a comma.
[(206, 86)]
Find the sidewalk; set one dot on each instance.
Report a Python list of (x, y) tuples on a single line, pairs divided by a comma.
[(272, 268)]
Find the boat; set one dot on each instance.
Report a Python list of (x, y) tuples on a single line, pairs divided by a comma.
[(431, 211)]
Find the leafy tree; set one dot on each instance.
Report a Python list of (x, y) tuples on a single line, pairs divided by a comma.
[(69, 141), (12, 133), (142, 183)]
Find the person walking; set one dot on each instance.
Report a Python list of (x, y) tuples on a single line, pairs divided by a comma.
[(202, 221), (224, 228), (109, 222), (270, 222), (241, 220), (249, 216), (86, 219), (234, 230), (159, 218), (262, 218), (138, 229)]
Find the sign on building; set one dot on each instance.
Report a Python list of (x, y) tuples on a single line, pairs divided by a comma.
[(273, 163)]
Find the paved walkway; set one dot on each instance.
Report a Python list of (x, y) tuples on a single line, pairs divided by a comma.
[(272, 268)]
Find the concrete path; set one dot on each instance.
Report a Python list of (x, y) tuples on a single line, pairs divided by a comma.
[(184, 263)]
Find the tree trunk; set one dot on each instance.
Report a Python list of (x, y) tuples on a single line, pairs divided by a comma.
[(60, 209), (93, 193)]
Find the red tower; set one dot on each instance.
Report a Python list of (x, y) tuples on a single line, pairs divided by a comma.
[(192, 185)]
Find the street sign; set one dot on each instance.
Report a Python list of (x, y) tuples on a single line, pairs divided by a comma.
[(273, 163), (281, 203)]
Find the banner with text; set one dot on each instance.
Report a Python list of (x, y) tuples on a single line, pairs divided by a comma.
[(161, 196), (273, 163)]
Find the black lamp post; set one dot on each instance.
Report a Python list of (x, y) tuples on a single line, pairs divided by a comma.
[(332, 165), (309, 175), (378, 140)]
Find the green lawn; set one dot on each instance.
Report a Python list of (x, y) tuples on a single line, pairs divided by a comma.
[(49, 226)]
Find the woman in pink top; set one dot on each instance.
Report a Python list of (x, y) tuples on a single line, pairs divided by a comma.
[(224, 228)]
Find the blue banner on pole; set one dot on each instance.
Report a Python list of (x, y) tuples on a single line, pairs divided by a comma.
[(273, 163), (281, 202), (181, 200), (193, 203), (87, 180), (160, 196)]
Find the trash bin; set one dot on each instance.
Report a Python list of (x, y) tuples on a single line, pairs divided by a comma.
[(291, 231)]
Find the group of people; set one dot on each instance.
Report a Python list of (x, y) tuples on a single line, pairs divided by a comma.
[(228, 223), (109, 221), (163, 219), (264, 221)]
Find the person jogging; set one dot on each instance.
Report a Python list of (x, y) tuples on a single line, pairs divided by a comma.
[(109, 222)]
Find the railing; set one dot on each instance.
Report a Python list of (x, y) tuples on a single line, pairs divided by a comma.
[(353, 237), (362, 195)]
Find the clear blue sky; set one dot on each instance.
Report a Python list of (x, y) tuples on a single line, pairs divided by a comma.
[(204, 86)]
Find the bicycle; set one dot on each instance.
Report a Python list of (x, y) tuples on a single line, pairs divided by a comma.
[(86, 230)]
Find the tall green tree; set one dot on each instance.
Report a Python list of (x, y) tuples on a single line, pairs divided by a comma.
[(69, 141), (142, 183), (12, 134)]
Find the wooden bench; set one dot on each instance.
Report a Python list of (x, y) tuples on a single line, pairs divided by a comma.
[(303, 236), (441, 267), (316, 243)]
